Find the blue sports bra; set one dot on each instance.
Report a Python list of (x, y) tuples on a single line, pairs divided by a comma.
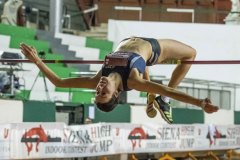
[(133, 61)]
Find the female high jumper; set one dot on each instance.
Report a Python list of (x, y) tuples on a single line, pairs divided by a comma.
[(126, 69)]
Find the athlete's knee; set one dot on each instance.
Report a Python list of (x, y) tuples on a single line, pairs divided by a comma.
[(192, 54)]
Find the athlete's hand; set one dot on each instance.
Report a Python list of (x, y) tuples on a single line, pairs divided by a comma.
[(208, 107), (30, 52)]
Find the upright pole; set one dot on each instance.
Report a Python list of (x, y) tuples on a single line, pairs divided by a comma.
[(55, 23)]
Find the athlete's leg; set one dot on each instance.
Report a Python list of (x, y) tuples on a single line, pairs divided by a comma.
[(150, 110), (171, 49)]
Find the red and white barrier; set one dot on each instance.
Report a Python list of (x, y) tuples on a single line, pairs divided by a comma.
[(56, 140)]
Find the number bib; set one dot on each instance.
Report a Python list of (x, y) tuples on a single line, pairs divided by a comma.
[(117, 59)]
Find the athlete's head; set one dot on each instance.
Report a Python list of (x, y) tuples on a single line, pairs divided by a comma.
[(107, 95)]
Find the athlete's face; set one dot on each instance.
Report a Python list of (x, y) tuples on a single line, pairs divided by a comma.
[(104, 90)]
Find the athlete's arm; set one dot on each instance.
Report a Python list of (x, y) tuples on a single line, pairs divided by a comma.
[(81, 82), (146, 74), (137, 83)]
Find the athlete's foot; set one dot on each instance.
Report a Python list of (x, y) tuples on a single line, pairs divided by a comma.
[(164, 109), (150, 110)]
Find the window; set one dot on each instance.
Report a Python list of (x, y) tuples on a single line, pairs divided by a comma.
[(225, 99), (203, 93), (215, 97), (221, 98)]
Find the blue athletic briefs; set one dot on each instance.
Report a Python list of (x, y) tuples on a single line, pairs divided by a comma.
[(156, 49)]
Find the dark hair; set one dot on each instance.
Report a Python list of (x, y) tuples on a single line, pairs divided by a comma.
[(110, 105)]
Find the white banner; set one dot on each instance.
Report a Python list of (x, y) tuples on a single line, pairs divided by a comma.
[(4, 141), (56, 140), (32, 140)]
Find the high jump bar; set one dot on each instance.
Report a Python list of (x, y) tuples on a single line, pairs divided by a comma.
[(101, 61)]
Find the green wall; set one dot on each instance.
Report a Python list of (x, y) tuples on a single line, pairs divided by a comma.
[(237, 117), (187, 116), (38, 111), (120, 114)]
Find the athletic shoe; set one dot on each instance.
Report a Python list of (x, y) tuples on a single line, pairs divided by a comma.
[(164, 109), (150, 110)]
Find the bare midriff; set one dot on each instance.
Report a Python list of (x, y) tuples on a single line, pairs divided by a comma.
[(136, 45)]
